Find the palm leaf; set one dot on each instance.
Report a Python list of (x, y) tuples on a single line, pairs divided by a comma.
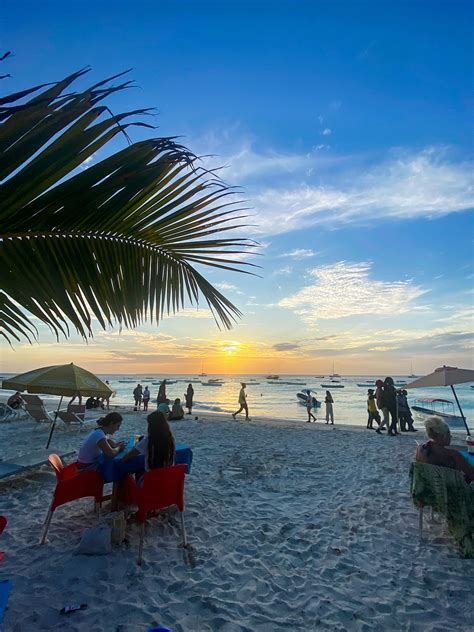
[(118, 241)]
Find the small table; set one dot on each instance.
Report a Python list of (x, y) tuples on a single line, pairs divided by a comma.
[(114, 470)]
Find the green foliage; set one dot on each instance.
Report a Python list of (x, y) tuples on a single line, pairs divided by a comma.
[(118, 240)]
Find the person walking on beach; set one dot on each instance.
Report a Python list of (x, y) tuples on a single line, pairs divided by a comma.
[(404, 412), (381, 406), (137, 394), (372, 409), (242, 402), (146, 398), (328, 400), (389, 400), (309, 406), (189, 398)]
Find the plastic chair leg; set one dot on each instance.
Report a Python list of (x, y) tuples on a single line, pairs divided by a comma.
[(140, 548), (47, 522), (183, 529)]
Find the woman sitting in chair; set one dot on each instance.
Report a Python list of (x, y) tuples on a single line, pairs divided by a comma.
[(158, 447), (435, 451), (100, 442)]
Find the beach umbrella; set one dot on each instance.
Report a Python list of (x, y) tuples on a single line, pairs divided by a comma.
[(446, 376), (64, 380)]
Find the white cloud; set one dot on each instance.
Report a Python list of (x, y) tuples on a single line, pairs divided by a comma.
[(284, 271), (299, 253), (345, 289), (407, 186), (327, 131)]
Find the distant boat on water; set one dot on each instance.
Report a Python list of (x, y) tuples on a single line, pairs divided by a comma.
[(210, 383), (332, 385), (272, 377), (333, 374)]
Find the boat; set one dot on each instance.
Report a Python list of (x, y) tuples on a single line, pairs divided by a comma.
[(209, 383), (412, 375), (444, 408), (303, 396), (272, 377), (293, 383), (216, 380), (366, 385), (331, 386), (334, 381)]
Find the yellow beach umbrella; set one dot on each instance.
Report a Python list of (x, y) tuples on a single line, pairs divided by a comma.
[(62, 379)]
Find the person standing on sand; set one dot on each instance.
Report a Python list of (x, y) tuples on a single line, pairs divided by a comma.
[(309, 406), (137, 394), (381, 406), (162, 399), (389, 400), (146, 398), (242, 403), (328, 400), (372, 409), (189, 398)]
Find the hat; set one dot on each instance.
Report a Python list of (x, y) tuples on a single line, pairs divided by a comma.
[(370, 390), (379, 383)]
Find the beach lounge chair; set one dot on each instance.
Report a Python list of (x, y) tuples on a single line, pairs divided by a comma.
[(77, 409), (34, 406), (70, 418), (445, 490), (71, 485), (162, 487), (7, 413), (29, 461)]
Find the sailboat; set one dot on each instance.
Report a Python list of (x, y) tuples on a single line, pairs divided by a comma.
[(334, 374), (411, 372), (202, 374)]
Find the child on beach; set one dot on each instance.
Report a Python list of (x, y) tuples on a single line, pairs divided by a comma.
[(309, 406), (177, 411), (158, 448), (100, 442), (372, 409), (242, 403), (328, 400)]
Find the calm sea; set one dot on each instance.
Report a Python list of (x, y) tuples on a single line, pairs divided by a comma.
[(274, 398)]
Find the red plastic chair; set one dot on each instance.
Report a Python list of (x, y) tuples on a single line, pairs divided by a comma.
[(71, 485), (162, 487)]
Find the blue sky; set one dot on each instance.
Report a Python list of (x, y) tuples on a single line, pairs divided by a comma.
[(348, 126)]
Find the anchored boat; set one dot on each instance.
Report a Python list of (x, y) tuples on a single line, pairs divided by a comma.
[(444, 408)]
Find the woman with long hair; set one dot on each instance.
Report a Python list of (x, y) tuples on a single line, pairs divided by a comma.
[(189, 398), (328, 400), (158, 447)]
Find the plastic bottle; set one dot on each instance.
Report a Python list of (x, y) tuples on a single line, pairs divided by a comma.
[(69, 609), (470, 444)]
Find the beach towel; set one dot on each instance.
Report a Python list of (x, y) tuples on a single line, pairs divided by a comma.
[(446, 490), (5, 590)]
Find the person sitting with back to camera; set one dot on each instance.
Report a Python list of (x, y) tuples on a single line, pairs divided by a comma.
[(15, 401), (158, 447), (100, 442), (177, 411), (435, 452)]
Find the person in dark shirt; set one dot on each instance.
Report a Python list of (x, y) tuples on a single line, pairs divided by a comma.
[(389, 400)]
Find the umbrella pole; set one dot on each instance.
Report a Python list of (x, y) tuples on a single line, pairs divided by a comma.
[(54, 422), (460, 409)]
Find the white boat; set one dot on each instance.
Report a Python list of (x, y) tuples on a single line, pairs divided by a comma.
[(444, 408), (332, 385), (216, 380)]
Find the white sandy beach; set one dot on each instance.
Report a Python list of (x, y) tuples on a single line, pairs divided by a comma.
[(292, 526)]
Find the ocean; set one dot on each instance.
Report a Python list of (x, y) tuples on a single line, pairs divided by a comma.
[(277, 398), (274, 398)]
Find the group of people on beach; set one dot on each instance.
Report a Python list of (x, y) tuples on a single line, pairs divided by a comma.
[(394, 406), (142, 396)]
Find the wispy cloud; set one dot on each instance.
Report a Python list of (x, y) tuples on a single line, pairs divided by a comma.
[(299, 253), (346, 289), (327, 131), (407, 186), (285, 346)]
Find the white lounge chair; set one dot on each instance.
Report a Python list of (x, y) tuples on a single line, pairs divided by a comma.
[(34, 406)]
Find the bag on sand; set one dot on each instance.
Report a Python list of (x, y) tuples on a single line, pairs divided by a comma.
[(95, 541), (118, 526)]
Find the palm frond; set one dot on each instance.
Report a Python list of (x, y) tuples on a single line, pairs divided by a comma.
[(117, 241)]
